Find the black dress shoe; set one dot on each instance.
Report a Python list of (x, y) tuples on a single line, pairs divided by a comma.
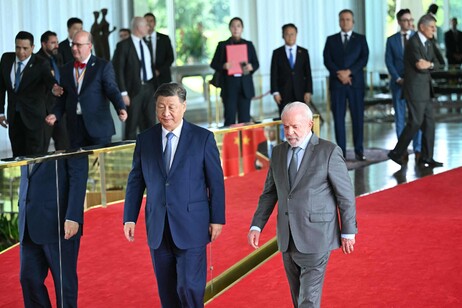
[(396, 158), (360, 156), (430, 163)]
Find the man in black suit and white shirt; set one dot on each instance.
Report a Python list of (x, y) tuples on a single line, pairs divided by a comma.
[(135, 78), (74, 25), (453, 42), (290, 71), (27, 79), (161, 49)]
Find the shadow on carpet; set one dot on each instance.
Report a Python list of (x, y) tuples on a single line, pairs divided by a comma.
[(373, 156)]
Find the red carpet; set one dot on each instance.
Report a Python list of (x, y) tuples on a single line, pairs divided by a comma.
[(116, 273), (407, 254)]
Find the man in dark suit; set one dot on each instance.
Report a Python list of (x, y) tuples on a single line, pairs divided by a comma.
[(345, 56), (419, 59), (309, 181), (179, 165), (27, 80), (394, 59), (290, 71), (49, 52), (88, 83), (161, 50), (50, 229), (74, 25), (453, 42), (136, 79)]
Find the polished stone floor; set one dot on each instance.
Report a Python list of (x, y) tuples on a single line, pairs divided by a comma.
[(381, 134)]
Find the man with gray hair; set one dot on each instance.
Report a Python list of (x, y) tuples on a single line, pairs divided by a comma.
[(308, 178), (419, 60), (136, 79)]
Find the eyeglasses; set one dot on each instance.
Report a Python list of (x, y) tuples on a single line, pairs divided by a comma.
[(407, 20), (79, 45)]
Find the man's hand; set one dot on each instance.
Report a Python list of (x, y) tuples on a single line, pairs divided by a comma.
[(57, 90), (3, 121), (129, 231), (277, 99), (70, 229), (123, 115), (307, 97), (253, 238), (215, 231), (126, 100), (423, 64), (344, 76), (348, 245), (50, 119)]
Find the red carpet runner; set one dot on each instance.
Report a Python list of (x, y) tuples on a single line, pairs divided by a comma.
[(407, 254)]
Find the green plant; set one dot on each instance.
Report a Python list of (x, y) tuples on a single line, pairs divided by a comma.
[(9, 231)]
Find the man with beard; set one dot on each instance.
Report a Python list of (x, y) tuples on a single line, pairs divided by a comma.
[(49, 51)]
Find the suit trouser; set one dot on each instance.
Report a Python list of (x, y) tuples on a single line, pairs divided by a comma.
[(339, 96), (420, 116), (399, 105), (141, 112), (181, 273), (305, 273), (235, 101), (84, 139), (25, 141), (36, 260)]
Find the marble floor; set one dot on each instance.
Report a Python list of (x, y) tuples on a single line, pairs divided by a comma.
[(381, 134)]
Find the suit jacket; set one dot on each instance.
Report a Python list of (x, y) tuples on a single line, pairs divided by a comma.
[(291, 82), (98, 86), (192, 194), (418, 83), (37, 198), (65, 51), (127, 67), (354, 58), (50, 98), (219, 59), (164, 58), (36, 83), (394, 56), (320, 203), (453, 46)]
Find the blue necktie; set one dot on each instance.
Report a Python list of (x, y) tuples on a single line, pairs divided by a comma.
[(55, 68), (293, 165), (17, 77), (345, 41), (168, 152), (291, 58), (143, 67), (270, 151)]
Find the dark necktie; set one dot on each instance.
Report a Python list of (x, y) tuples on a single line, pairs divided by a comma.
[(17, 77), (293, 165), (291, 58), (168, 152), (345, 41), (55, 68), (404, 40), (428, 47), (143, 67)]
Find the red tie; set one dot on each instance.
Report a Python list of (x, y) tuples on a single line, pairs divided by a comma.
[(79, 65)]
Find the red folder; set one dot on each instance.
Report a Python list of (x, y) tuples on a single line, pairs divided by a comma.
[(235, 55)]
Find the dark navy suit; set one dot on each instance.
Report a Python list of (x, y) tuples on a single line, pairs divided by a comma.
[(354, 57), (95, 125), (179, 208), (38, 228), (394, 59)]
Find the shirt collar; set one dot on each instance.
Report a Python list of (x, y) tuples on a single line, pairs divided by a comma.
[(347, 33), (176, 131), (24, 62), (422, 37), (304, 143)]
